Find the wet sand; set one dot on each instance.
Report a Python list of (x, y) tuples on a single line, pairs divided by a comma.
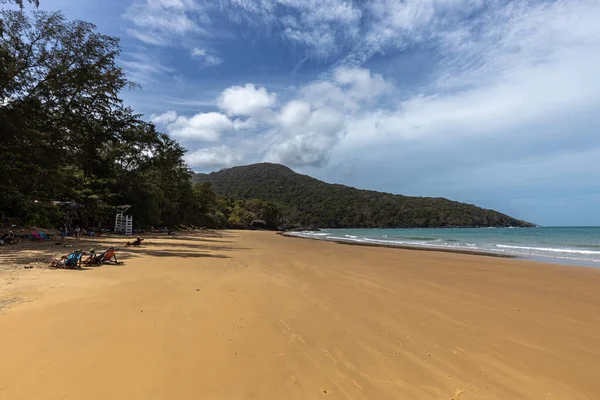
[(254, 315)]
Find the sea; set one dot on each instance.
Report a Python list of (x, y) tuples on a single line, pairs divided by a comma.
[(567, 245)]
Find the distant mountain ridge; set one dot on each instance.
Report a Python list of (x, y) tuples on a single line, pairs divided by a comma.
[(307, 202)]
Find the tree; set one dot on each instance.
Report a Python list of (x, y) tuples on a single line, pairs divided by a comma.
[(60, 88), (67, 137), (21, 3)]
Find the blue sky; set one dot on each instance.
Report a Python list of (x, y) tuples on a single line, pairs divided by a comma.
[(491, 102)]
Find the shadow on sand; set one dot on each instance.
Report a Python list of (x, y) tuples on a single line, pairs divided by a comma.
[(194, 239), (195, 246), (171, 253)]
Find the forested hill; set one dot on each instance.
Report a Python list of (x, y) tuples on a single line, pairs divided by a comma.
[(304, 201)]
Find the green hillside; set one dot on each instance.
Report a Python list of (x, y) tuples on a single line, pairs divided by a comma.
[(304, 201)]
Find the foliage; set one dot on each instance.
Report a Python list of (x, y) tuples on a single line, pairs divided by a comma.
[(70, 150), (20, 3), (307, 202), (242, 214)]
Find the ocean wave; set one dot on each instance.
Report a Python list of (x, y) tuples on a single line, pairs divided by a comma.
[(588, 252), (308, 233), (550, 249)]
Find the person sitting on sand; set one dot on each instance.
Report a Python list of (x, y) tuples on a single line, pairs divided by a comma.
[(135, 243), (58, 262), (91, 258), (68, 261)]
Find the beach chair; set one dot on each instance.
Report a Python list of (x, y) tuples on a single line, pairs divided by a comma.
[(37, 236), (109, 257), (44, 236), (73, 260)]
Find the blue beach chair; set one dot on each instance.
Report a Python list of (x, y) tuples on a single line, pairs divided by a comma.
[(44, 236), (73, 260)]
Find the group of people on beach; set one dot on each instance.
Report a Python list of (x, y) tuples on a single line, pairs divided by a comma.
[(76, 258), (79, 232)]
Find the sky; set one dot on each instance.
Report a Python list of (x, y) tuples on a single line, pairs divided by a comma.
[(490, 102)]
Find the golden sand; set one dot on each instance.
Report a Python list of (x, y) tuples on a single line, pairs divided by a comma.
[(254, 315)]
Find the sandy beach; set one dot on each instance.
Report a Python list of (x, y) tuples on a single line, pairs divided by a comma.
[(255, 315)]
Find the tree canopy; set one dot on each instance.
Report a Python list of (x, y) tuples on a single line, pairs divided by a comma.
[(68, 138)]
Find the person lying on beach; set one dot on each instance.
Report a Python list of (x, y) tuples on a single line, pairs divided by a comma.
[(9, 238), (135, 243)]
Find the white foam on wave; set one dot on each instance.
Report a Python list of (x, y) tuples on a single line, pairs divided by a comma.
[(306, 234), (550, 249)]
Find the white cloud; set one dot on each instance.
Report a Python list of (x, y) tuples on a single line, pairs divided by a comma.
[(322, 93), (323, 28), (301, 132), (246, 100), (206, 58), (213, 157), (200, 127), (393, 24), (165, 118), (308, 128), (295, 113), (321, 25), (245, 124), (144, 69), (307, 142), (526, 65), (147, 38), (158, 22), (362, 84), (348, 88)]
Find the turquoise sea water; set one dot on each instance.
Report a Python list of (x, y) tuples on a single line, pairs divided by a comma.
[(577, 245)]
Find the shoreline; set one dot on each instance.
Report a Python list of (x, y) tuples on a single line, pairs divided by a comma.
[(405, 247), (523, 257)]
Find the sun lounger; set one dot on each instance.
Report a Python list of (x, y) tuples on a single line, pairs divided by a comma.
[(110, 257), (73, 260), (44, 236), (37, 236)]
